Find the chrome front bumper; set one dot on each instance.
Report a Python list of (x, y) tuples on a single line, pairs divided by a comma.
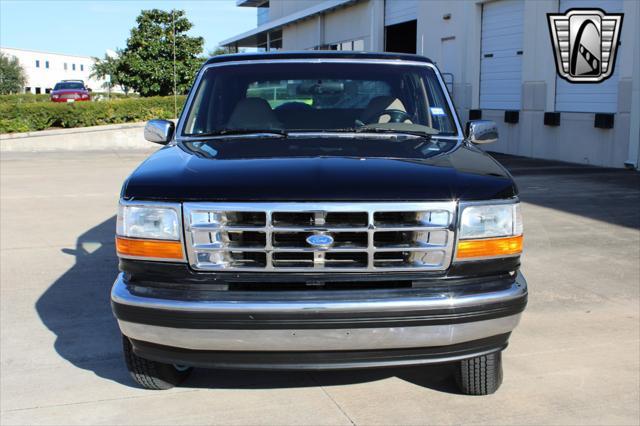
[(415, 319)]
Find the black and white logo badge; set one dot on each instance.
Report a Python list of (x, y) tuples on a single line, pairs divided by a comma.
[(585, 43)]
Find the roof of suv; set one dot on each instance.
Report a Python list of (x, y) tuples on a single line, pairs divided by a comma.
[(316, 54)]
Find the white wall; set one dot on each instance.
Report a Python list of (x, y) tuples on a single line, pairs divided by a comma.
[(280, 8), (46, 78), (344, 24), (575, 140), (302, 35), (350, 23), (462, 31)]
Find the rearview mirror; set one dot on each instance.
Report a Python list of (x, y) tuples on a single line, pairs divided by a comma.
[(159, 131), (481, 131), (320, 87)]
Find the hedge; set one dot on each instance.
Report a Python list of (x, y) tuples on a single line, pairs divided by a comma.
[(23, 98), (20, 98), (113, 95), (27, 117)]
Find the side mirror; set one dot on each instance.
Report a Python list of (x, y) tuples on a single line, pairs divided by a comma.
[(159, 131), (481, 131)]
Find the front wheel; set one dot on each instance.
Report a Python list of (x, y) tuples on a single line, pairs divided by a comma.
[(152, 374), (481, 375)]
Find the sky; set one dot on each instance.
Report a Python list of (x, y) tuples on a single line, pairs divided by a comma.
[(90, 27)]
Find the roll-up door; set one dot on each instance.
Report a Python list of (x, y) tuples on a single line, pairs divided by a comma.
[(398, 11), (501, 55)]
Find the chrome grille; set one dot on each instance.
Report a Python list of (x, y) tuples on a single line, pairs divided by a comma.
[(365, 236)]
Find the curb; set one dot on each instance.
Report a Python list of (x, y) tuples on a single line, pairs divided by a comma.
[(96, 138)]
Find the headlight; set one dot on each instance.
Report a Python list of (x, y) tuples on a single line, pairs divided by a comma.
[(489, 230), (149, 231), (160, 223), (490, 221)]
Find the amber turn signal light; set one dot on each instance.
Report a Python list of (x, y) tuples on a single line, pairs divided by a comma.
[(492, 247), (158, 249)]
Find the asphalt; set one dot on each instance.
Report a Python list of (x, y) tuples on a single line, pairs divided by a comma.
[(575, 359)]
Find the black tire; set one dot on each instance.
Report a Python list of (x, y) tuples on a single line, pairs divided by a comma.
[(481, 375), (151, 374)]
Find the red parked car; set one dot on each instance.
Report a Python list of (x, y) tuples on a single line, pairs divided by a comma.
[(70, 91)]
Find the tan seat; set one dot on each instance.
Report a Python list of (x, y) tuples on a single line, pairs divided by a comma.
[(253, 113)]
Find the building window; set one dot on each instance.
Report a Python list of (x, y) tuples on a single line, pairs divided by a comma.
[(276, 40), (37, 63), (81, 67), (38, 90), (65, 66), (47, 90), (46, 64), (73, 67), (27, 89), (271, 41), (263, 14)]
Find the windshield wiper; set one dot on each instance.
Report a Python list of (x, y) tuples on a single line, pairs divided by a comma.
[(231, 132), (422, 133)]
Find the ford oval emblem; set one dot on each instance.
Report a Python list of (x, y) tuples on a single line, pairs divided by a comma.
[(320, 240)]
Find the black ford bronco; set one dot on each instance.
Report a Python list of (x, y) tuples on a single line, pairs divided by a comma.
[(318, 210)]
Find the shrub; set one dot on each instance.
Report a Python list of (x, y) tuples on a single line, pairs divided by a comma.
[(30, 97), (23, 98), (14, 126), (22, 117), (114, 95)]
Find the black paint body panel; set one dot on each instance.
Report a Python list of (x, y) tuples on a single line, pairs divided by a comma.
[(317, 54), (464, 173), (179, 276)]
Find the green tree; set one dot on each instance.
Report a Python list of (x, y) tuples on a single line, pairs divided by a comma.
[(146, 65), (12, 75), (223, 50), (108, 66)]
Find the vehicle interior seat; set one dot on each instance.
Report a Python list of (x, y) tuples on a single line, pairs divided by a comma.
[(253, 113), (372, 112), (297, 115)]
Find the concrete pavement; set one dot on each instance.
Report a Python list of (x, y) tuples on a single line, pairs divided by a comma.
[(109, 137), (575, 359)]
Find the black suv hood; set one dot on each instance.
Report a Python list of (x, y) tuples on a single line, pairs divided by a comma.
[(465, 173)]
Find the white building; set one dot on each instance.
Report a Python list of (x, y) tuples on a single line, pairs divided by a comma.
[(45, 69), (498, 61)]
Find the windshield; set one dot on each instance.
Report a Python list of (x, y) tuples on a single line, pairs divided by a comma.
[(69, 86), (319, 97)]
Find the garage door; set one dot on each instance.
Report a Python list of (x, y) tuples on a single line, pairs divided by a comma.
[(597, 97), (398, 11), (501, 55)]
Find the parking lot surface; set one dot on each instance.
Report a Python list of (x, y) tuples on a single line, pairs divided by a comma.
[(575, 359)]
